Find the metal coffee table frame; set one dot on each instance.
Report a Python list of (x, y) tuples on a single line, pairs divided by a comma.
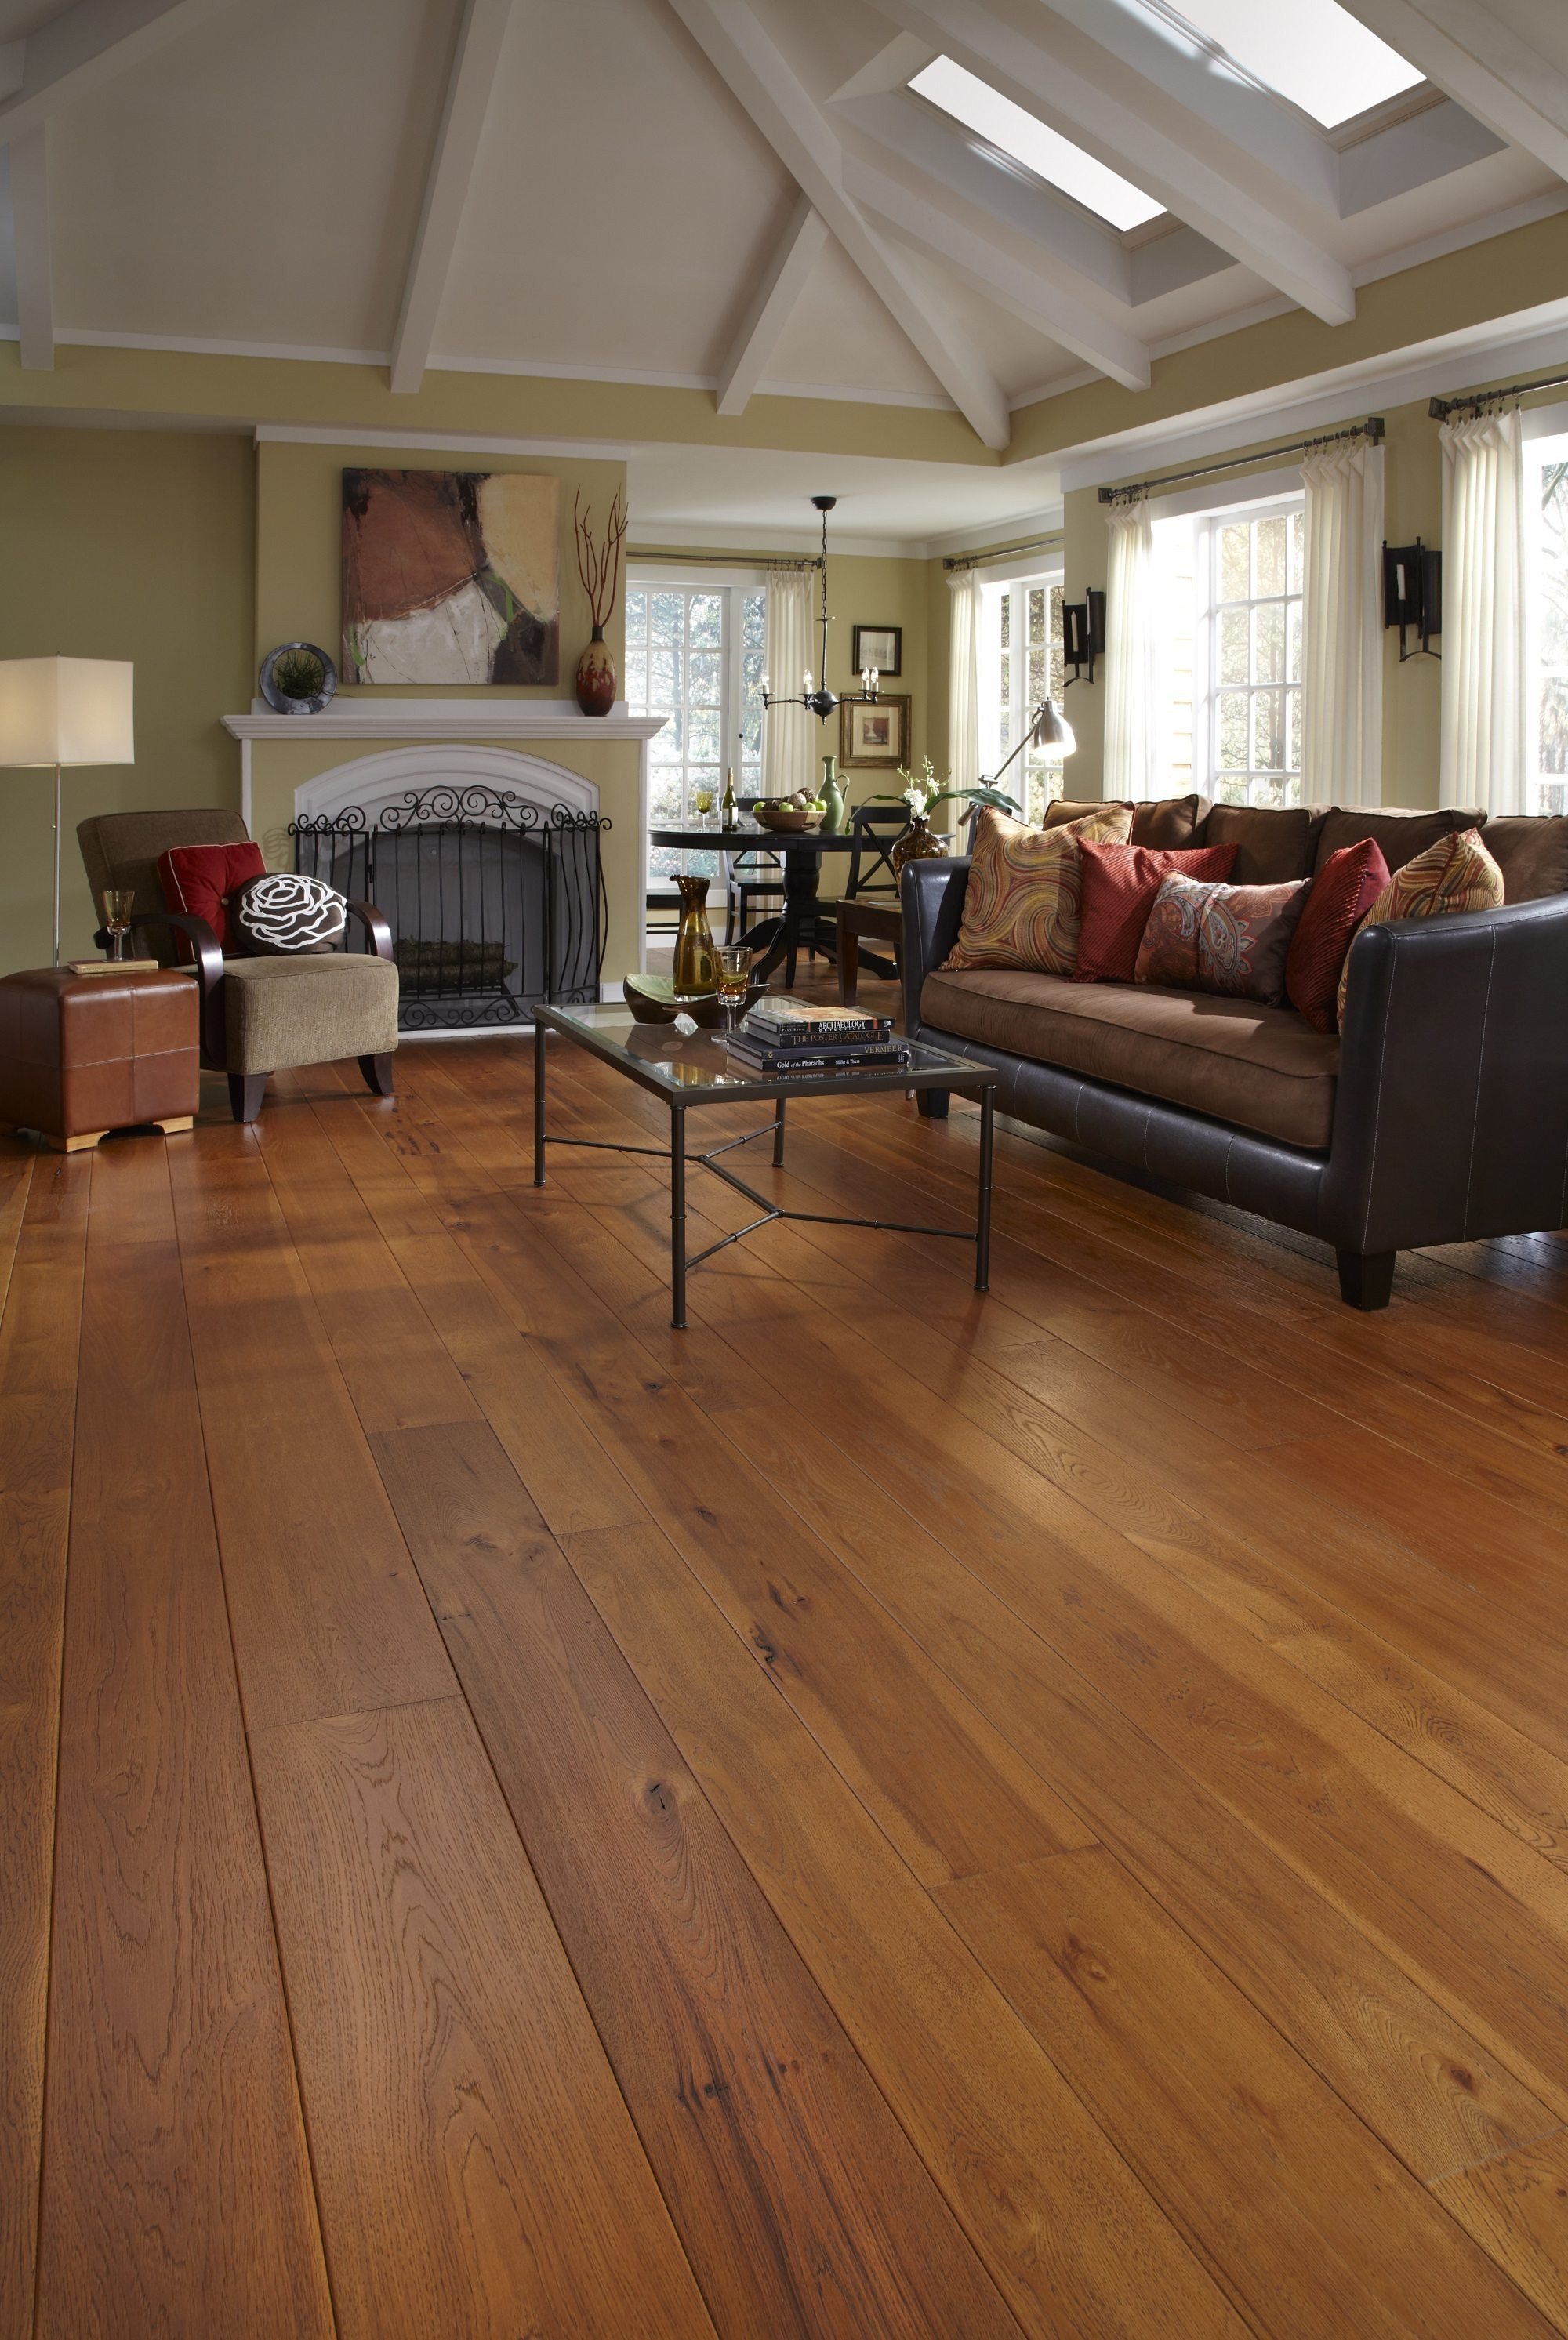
[(928, 1068)]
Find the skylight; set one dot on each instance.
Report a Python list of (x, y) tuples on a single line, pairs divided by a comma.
[(1044, 152), (1312, 52)]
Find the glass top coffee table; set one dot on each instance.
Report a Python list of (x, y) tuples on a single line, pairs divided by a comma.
[(696, 1069)]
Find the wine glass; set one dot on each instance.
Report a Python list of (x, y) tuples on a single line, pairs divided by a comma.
[(703, 802), (733, 969), (118, 903)]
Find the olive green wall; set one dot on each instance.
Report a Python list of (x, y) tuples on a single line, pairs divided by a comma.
[(299, 551), (121, 544)]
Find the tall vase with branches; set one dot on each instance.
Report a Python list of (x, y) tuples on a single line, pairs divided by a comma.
[(599, 567)]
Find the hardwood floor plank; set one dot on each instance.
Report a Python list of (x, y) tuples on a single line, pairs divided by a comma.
[(328, 1612), (1420, 2080), (801, 2205), (951, 1792), (478, 2171), (1517, 2209), (176, 2194), (1071, 2240), (37, 1428), (1280, 2189)]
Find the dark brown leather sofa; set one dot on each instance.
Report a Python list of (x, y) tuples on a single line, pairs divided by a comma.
[(1439, 1115)]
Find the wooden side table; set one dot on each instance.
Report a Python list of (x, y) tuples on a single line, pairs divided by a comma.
[(81, 1054)]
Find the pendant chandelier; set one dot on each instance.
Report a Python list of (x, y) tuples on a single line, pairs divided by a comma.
[(814, 694)]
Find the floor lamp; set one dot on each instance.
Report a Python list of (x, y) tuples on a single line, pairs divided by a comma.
[(66, 711)]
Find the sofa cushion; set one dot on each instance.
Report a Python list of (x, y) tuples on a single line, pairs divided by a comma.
[(1263, 1068), (1455, 875), (1343, 892), (283, 913), (1164, 823), (1119, 886), (308, 1011), (1400, 835), (1232, 939), (1273, 845), (1531, 852), (1021, 903)]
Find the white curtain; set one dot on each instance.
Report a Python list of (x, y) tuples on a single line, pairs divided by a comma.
[(964, 679), (1342, 627), (1483, 738), (1131, 725), (789, 733)]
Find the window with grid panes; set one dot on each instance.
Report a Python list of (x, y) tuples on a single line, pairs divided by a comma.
[(694, 655), (1546, 624), (1249, 579), (1020, 654)]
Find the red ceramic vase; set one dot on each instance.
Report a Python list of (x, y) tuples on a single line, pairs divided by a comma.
[(596, 677)]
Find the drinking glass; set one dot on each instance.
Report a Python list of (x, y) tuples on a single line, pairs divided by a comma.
[(703, 802), (733, 968), (118, 903)]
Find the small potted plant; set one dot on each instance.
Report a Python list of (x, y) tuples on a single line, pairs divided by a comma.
[(923, 795)]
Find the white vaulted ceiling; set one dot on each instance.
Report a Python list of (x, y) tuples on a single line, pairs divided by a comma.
[(740, 195)]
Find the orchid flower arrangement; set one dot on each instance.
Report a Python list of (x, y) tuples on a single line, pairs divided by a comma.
[(923, 792)]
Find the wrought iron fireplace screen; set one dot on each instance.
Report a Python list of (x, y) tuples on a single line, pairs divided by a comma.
[(495, 903)]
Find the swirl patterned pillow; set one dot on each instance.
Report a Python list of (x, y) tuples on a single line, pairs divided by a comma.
[(1025, 892), (1232, 939), (1457, 873), (278, 913)]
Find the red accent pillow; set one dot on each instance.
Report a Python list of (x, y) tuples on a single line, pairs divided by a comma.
[(1119, 886), (197, 878), (1345, 890)]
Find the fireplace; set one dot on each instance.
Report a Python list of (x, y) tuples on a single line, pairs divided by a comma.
[(495, 900)]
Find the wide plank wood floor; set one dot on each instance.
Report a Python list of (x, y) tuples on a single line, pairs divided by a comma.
[(887, 1813)]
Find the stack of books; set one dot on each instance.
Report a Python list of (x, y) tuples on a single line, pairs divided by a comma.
[(783, 1039)]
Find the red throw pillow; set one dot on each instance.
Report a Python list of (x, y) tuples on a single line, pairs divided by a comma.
[(1119, 886), (197, 878), (1345, 890)]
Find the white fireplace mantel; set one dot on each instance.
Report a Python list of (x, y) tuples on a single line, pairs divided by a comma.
[(444, 719)]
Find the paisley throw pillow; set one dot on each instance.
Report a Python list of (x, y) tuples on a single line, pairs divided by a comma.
[(1231, 939), (1455, 874), (278, 913), (1023, 897)]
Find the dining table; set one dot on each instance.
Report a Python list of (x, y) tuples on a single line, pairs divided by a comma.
[(802, 923)]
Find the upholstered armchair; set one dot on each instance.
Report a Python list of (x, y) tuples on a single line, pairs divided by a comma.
[(259, 1015)]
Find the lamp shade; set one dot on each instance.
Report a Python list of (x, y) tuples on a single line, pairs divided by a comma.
[(1052, 730), (67, 710)]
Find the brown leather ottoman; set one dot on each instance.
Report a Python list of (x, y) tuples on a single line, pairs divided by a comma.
[(81, 1054)]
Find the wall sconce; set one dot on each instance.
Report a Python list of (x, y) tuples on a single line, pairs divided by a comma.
[(1413, 594), (1083, 636)]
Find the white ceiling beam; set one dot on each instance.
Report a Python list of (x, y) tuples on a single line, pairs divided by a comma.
[(771, 309), (29, 160), (894, 67), (1099, 102), (468, 94), (87, 47), (1030, 293), (1503, 80), (788, 118)]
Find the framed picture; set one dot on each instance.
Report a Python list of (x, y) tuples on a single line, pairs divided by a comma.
[(874, 739), (450, 577), (879, 646)]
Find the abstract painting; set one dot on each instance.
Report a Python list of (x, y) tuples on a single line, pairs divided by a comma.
[(450, 577)]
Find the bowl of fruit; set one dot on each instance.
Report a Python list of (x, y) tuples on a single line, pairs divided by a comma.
[(795, 813)]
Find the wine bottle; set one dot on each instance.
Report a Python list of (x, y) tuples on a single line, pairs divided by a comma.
[(731, 810)]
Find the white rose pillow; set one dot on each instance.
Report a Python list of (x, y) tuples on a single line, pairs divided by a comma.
[(278, 913)]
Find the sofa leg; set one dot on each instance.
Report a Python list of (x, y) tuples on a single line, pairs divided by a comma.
[(933, 1103), (246, 1091), (378, 1073), (1365, 1278)]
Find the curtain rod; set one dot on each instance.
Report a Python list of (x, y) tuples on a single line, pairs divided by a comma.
[(1003, 552), (1440, 409), (1370, 429), (729, 560)]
